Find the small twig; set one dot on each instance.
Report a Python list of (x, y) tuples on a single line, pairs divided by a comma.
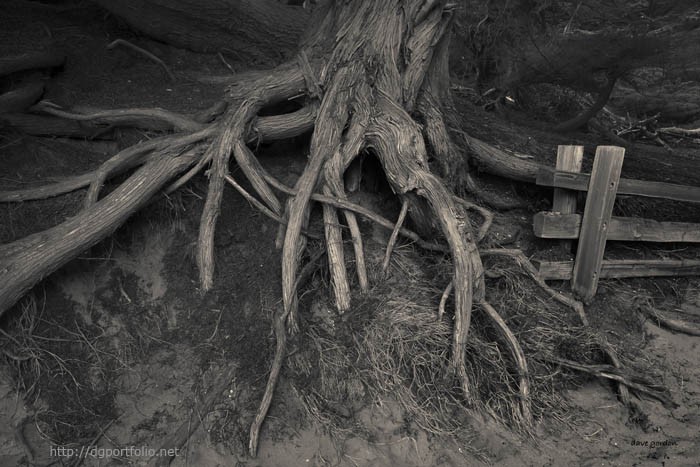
[(80, 460), (394, 237), (216, 328), (622, 388), (264, 209), (226, 64), (443, 299), (204, 160), (144, 52)]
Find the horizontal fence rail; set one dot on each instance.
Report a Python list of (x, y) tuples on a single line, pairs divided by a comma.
[(567, 226), (579, 182)]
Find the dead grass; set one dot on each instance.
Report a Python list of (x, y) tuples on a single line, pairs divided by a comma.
[(391, 346)]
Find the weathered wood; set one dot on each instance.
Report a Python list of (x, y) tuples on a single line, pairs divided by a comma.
[(34, 257), (563, 270), (573, 181), (567, 226), (596, 219), (569, 159)]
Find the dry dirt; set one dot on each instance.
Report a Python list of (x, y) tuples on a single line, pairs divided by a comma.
[(130, 347)]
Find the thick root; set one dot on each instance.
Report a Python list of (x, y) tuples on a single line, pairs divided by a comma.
[(336, 256)]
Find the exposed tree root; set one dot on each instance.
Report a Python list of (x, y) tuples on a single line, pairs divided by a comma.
[(518, 357), (394, 237), (143, 52), (347, 205), (648, 310), (483, 212), (266, 129), (151, 118), (491, 199), (443, 299), (614, 374), (565, 300), (525, 263), (260, 206), (365, 74), (280, 328), (23, 262)]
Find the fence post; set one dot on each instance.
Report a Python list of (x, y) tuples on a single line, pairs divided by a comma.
[(596, 218), (569, 158)]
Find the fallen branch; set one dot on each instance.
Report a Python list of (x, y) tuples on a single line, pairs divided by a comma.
[(676, 131)]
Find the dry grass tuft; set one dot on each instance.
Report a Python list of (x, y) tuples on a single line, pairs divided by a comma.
[(391, 346)]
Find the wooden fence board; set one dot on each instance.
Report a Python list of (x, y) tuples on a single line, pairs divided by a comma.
[(569, 159), (563, 270), (602, 191), (568, 226), (575, 181)]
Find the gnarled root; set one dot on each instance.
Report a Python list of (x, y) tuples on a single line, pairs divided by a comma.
[(564, 299)]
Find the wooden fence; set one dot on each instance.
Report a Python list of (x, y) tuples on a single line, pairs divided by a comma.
[(597, 225)]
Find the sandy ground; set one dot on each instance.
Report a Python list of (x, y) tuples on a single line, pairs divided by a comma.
[(155, 396)]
